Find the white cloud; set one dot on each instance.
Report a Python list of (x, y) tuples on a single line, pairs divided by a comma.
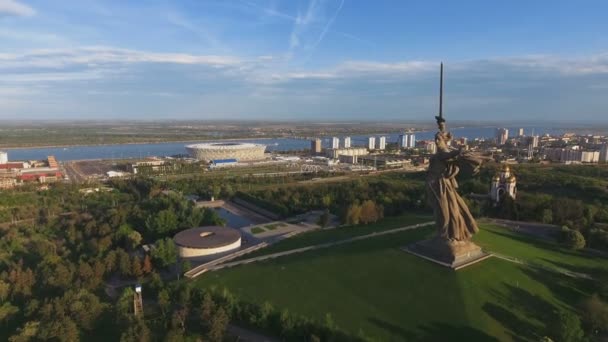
[(13, 7), (92, 56)]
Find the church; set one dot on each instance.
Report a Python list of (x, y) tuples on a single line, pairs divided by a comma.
[(503, 184)]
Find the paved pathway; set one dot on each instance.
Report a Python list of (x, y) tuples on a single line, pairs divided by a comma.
[(318, 246)]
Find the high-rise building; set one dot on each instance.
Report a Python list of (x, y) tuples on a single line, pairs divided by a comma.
[(315, 146), (335, 142), (382, 143), (346, 142), (604, 153), (530, 151), (371, 143), (402, 142), (3, 157), (411, 140), (521, 132), (407, 140), (502, 135), (534, 141), (431, 147)]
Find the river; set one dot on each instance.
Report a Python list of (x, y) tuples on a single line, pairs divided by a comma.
[(122, 151)]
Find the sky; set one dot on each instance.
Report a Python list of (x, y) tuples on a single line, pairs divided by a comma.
[(543, 60)]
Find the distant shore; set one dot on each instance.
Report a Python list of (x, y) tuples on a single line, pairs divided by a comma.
[(132, 143)]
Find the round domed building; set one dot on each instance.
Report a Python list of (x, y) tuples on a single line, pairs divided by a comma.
[(226, 150), (203, 242)]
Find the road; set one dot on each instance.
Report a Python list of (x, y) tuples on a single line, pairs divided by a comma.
[(537, 230)]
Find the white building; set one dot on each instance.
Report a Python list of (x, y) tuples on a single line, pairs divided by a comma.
[(503, 184), (521, 132), (382, 143), (402, 142), (603, 158), (371, 143), (533, 140), (502, 135), (3, 157), (346, 142), (335, 153), (335, 142), (571, 154), (407, 140)]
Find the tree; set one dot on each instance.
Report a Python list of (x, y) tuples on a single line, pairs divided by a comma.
[(219, 323), (547, 216), (566, 327), (136, 269), (147, 266), (164, 302), (595, 313), (572, 239), (124, 262), (369, 212), (124, 305), (207, 309), (353, 214), (137, 331), (164, 253)]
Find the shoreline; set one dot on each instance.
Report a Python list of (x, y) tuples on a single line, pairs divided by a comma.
[(185, 141), (128, 143)]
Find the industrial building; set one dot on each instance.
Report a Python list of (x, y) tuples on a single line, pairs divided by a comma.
[(203, 242), (15, 173), (384, 160), (226, 150)]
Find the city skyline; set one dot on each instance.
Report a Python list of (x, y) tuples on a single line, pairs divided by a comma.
[(309, 60)]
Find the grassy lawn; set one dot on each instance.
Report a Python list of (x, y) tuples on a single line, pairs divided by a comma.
[(274, 226), (335, 234), (374, 288), (257, 230)]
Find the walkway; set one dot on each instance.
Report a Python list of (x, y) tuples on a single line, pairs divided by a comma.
[(218, 266)]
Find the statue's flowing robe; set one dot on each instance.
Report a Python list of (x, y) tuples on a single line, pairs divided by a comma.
[(452, 216)]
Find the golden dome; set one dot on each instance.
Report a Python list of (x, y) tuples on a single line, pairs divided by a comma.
[(496, 178), (506, 167), (511, 179)]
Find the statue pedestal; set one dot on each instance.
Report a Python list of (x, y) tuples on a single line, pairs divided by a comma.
[(452, 254)]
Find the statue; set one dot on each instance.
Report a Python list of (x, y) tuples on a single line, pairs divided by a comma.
[(452, 245), (452, 216)]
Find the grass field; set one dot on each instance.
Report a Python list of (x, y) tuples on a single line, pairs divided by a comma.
[(374, 288)]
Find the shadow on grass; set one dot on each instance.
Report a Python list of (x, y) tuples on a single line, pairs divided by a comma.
[(524, 314), (434, 332), (544, 244), (563, 288)]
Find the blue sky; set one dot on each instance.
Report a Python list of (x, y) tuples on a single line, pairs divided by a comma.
[(303, 59)]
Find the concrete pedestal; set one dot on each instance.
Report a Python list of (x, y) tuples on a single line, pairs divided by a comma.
[(452, 254)]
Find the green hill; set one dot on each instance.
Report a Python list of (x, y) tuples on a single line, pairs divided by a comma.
[(373, 288)]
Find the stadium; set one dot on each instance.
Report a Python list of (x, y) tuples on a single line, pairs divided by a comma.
[(227, 150), (201, 242)]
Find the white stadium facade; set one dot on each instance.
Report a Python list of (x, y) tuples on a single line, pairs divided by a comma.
[(226, 150)]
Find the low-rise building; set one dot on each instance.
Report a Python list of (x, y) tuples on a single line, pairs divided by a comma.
[(334, 153)]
